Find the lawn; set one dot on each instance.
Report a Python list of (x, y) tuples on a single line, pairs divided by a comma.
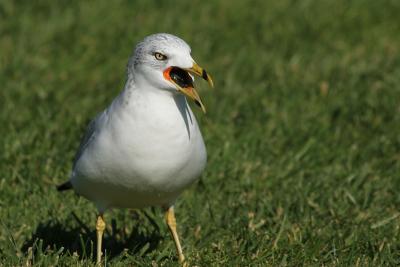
[(302, 131)]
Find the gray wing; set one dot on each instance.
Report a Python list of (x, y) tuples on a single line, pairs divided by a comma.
[(88, 137)]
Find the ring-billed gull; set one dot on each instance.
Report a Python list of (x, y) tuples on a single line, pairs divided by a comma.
[(145, 148)]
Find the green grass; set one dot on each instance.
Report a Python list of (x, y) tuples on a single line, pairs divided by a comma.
[(302, 131)]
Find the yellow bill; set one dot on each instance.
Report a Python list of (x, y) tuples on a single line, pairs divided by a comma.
[(184, 83)]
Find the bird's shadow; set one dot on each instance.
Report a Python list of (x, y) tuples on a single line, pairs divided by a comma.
[(81, 241)]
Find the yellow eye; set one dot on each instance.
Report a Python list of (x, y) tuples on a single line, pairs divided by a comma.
[(160, 56)]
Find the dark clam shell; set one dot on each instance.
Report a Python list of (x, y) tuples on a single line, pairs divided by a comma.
[(181, 77)]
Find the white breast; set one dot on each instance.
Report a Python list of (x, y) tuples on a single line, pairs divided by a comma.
[(146, 150)]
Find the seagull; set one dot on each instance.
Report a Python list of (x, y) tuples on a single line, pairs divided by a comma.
[(146, 147)]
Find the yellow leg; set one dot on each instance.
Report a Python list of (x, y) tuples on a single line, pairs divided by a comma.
[(171, 222), (100, 226)]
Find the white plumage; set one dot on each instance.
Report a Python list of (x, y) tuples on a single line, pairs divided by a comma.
[(146, 147)]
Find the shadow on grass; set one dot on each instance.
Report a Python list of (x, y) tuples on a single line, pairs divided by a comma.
[(81, 240)]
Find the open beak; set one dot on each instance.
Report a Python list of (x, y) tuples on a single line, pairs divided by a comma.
[(199, 71), (188, 88)]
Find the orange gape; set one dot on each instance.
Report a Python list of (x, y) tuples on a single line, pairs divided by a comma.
[(166, 73)]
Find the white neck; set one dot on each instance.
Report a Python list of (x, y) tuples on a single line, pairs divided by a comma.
[(142, 99)]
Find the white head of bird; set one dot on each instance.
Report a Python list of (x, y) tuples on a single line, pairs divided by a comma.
[(164, 62)]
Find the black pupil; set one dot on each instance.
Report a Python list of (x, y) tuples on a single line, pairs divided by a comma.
[(181, 77)]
